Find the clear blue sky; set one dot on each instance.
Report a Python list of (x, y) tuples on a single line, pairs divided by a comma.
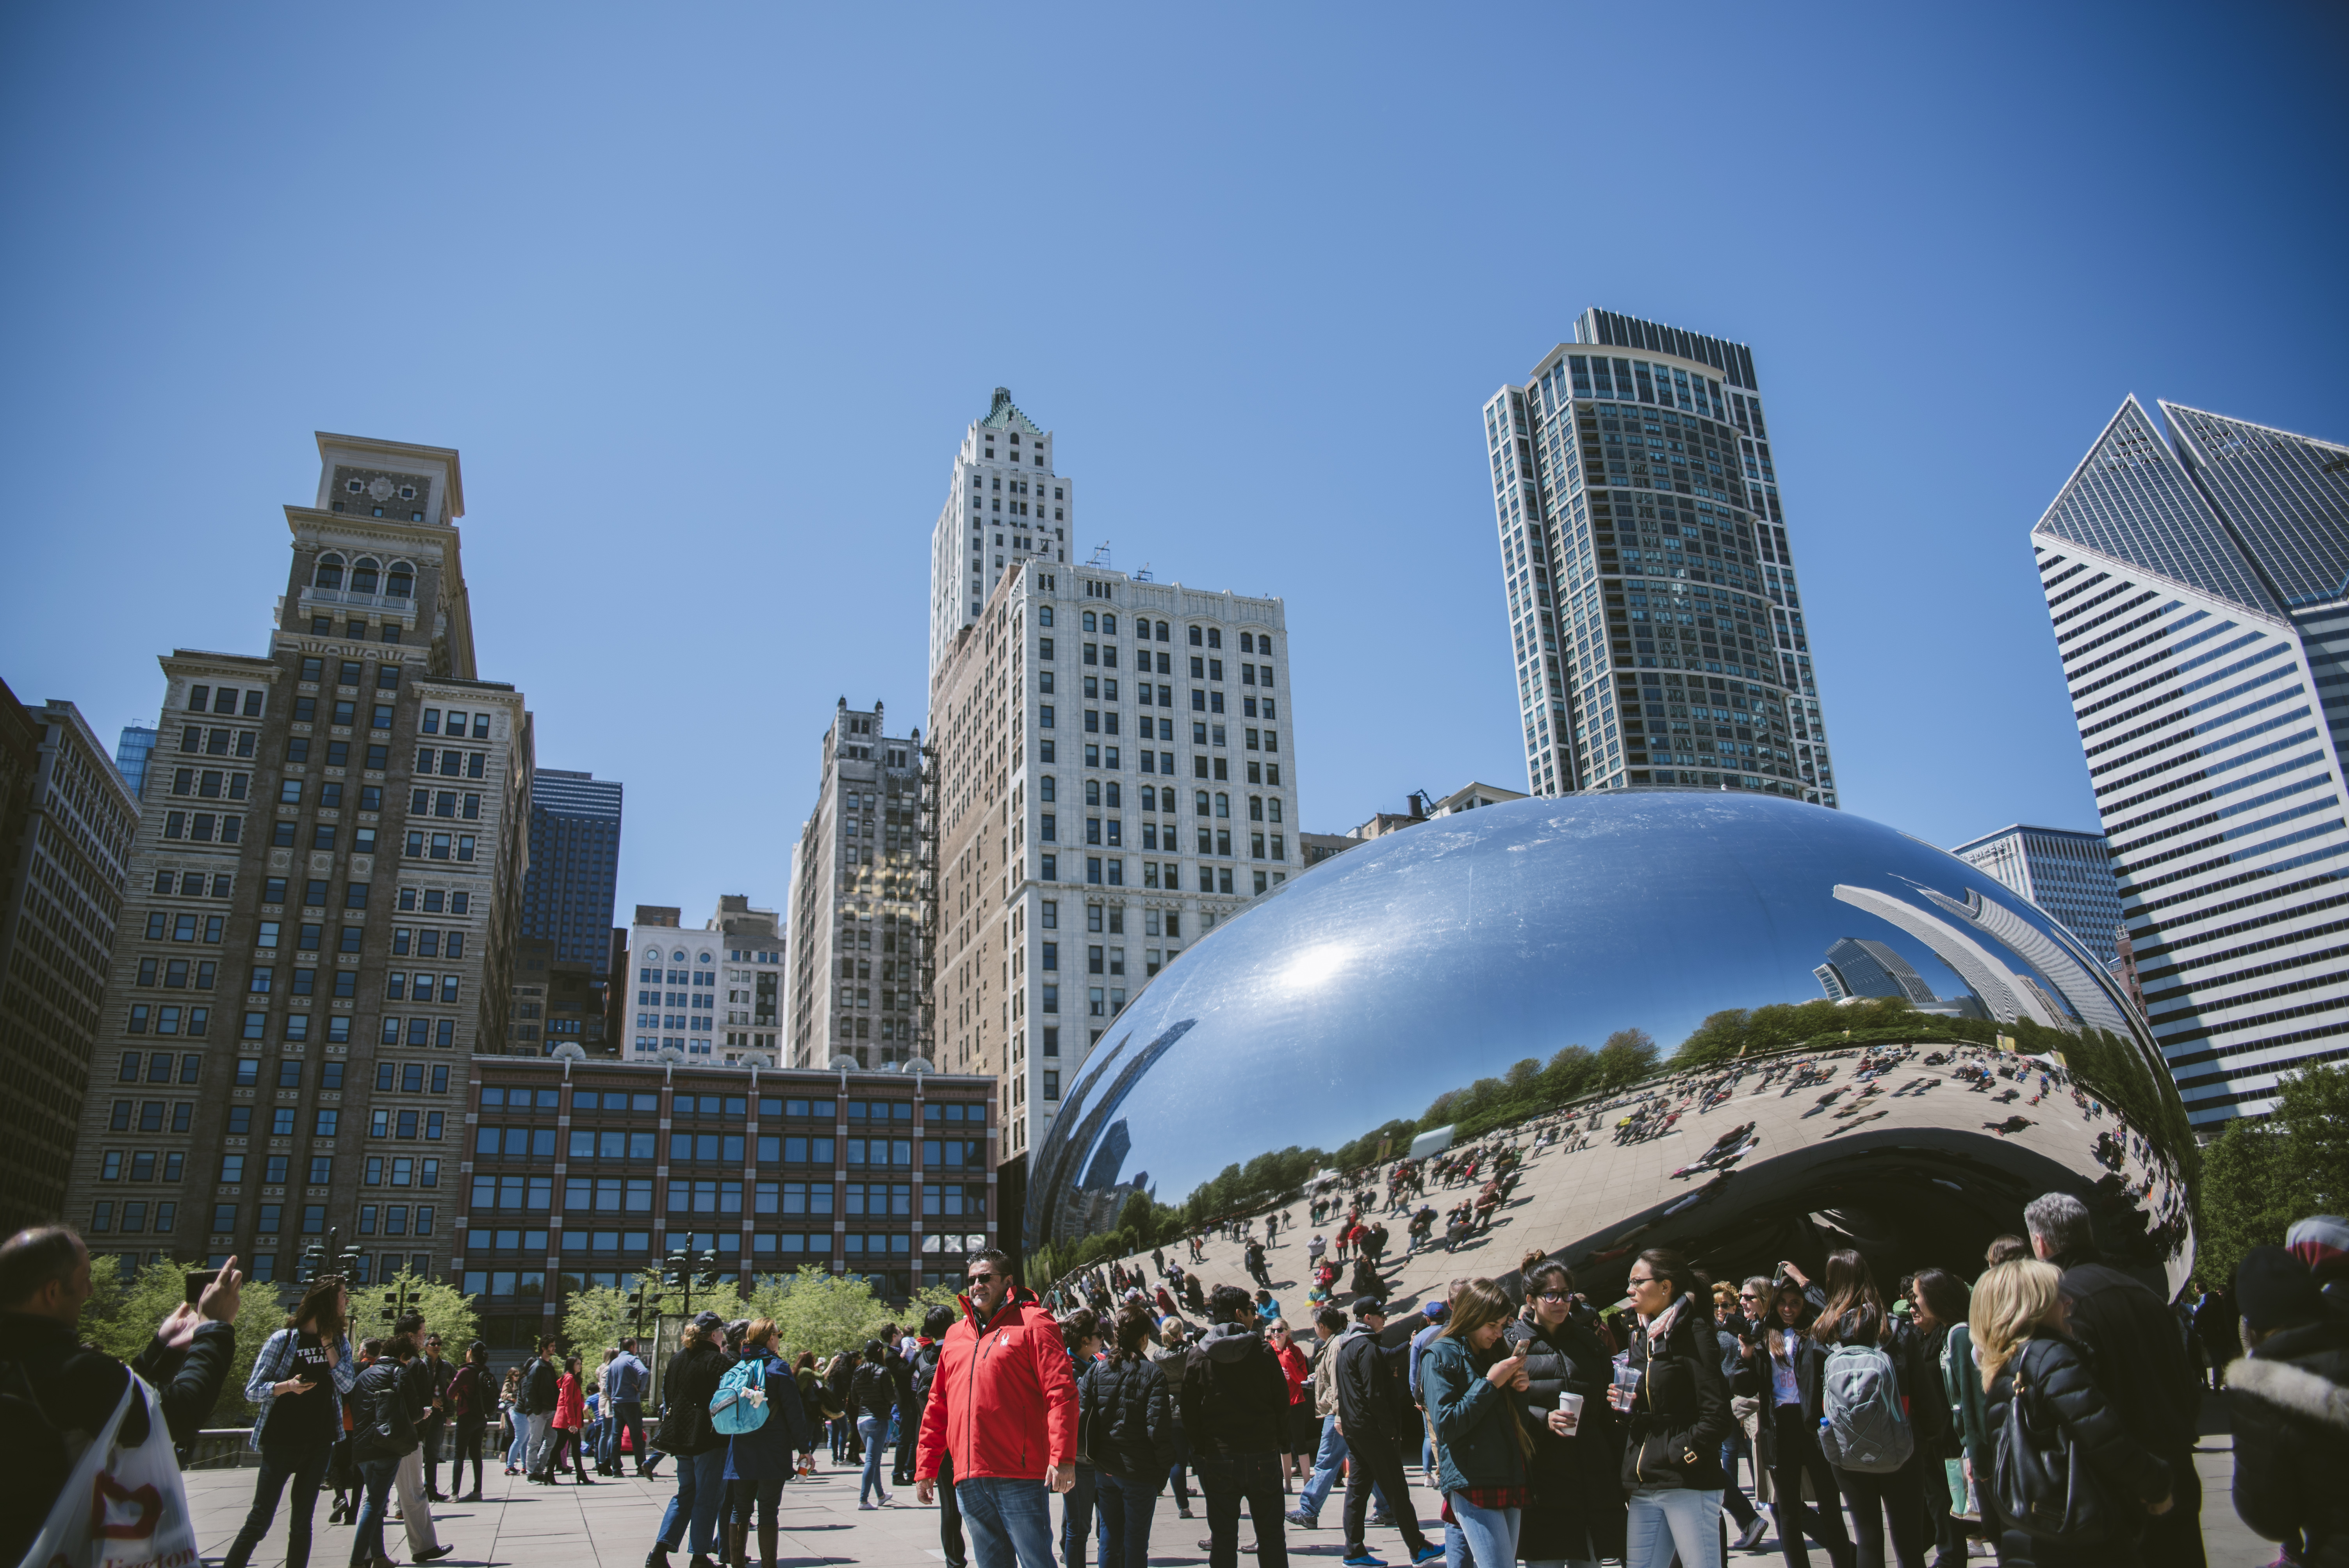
[(706, 296)]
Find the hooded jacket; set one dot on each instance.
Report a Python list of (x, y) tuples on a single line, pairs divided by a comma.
[(1235, 1397), (1134, 1418), (2289, 1406), (1005, 1401), (1368, 1388)]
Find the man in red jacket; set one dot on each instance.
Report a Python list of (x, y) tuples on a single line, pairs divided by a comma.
[(1002, 1411)]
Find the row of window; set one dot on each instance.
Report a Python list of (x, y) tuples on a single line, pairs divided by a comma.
[(343, 714), (491, 1140), (201, 740), (621, 1195), (1111, 873), (1104, 657), (1201, 636), (205, 699)]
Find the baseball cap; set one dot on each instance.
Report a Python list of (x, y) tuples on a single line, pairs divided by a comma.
[(1370, 1306), (1434, 1310)]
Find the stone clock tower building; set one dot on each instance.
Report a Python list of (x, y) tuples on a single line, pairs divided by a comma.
[(323, 903)]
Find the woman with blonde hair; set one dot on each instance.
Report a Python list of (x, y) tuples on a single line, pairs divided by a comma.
[(2034, 1372), (1470, 1381)]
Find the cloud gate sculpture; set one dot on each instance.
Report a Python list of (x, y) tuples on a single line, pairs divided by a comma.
[(1432, 977)]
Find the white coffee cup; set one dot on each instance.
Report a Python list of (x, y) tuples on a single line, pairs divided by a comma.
[(1571, 1403)]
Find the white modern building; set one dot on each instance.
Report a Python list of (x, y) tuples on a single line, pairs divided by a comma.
[(1656, 622), (2197, 582), (713, 996), (1117, 776), (2069, 874), (1004, 504)]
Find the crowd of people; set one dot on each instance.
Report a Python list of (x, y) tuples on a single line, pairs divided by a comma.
[(2045, 1413)]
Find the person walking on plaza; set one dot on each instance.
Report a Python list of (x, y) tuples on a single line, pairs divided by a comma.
[(1936, 1306), (1782, 1370), (430, 1431), (759, 1461), (1080, 1331), (939, 1322), (2017, 1315), (1471, 1382), (1004, 1405), (1330, 1453), (895, 1360), (470, 1398), (875, 1393), (420, 1392), (1234, 1406), (1133, 1439), (542, 1387), (1678, 1403), (1302, 1434), (383, 1435), (570, 1425), (686, 1433), (1377, 1417), (625, 1380), (2288, 1407), (1174, 1353), (2140, 1361), (1576, 1512), (1861, 1342), (298, 1382)]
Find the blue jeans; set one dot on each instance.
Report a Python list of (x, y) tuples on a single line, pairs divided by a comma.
[(701, 1494), (872, 1430), (1480, 1537), (1010, 1522), (1733, 1497), (375, 1479), (1126, 1507), (1663, 1518), (1077, 1517), (627, 1414), (517, 1451)]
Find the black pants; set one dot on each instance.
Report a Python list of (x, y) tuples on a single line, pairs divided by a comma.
[(303, 1464), (427, 1437), (1229, 1480), (909, 1431), (1373, 1461), (950, 1517), (765, 1496), (1896, 1496), (1797, 1455), (470, 1430), (2175, 1540)]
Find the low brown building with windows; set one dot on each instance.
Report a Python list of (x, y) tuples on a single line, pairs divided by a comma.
[(586, 1174)]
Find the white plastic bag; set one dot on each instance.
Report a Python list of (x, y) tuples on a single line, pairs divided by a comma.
[(121, 1507)]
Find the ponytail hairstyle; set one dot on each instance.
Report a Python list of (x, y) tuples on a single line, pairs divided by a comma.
[(1134, 1332), (1663, 1263)]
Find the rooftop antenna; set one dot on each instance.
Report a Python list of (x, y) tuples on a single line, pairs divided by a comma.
[(1100, 556), (1144, 574)]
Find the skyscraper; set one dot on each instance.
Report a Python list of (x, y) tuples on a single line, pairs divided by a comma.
[(574, 861), (2199, 588), (130, 754), (1858, 967), (323, 898), (2068, 874), (1004, 504), (67, 821), (857, 937), (1653, 609)]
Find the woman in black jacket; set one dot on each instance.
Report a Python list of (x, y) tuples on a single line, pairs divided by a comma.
[(1782, 1370), (686, 1433), (872, 1394), (1133, 1431), (1678, 1403), (1855, 1316), (1577, 1511), (381, 1435), (2017, 1320)]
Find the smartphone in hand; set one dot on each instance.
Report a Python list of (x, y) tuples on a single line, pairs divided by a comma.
[(198, 1281)]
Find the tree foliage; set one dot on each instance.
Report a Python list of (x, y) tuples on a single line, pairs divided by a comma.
[(447, 1311), (2260, 1176), (123, 1314)]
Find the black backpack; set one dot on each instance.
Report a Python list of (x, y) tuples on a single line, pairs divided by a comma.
[(2042, 1483)]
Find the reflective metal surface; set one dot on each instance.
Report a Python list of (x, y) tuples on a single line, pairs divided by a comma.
[(1453, 952)]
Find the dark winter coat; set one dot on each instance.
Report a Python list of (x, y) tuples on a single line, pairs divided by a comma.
[(1132, 1425), (1919, 1373), (1578, 1488), (1475, 1441), (1235, 1397), (2060, 1373), (378, 1400), (2139, 1352), (78, 1388), (1371, 1393), (871, 1391), (2288, 1407), (694, 1373), (1755, 1381), (1681, 1416)]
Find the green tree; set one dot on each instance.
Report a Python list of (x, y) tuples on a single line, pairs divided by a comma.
[(1629, 1056), (123, 1312), (2246, 1198), (821, 1312), (447, 1311), (2313, 1109)]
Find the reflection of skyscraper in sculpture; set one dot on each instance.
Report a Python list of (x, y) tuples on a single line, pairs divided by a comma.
[(2003, 993), (1095, 1201), (2081, 982), (1864, 968)]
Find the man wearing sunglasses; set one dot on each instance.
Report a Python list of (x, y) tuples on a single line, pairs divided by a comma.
[(1002, 1413)]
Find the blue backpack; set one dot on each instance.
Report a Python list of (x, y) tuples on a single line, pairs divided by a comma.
[(729, 1412)]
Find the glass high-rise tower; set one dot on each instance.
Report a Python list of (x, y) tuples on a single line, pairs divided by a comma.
[(1653, 609), (574, 864), (2198, 586)]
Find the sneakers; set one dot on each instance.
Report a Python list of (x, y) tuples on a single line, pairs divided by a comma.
[(1430, 1552), (437, 1552), (868, 1507), (1364, 1560), (1184, 1510), (1302, 1520), (1751, 1537)]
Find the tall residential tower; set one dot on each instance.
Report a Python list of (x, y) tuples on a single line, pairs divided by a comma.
[(1005, 505), (574, 864), (1653, 609), (2068, 874), (2198, 586)]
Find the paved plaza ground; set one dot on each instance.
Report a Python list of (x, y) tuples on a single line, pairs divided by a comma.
[(611, 1524)]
